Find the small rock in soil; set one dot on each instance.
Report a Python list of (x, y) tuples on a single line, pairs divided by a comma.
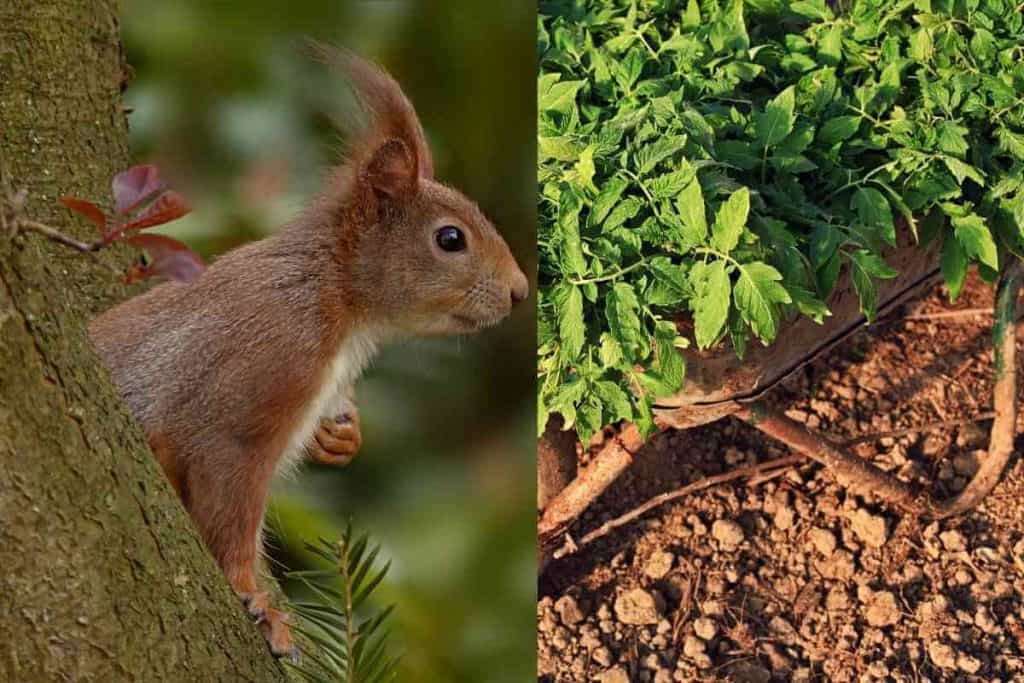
[(953, 540), (603, 656), (638, 607), (659, 564), (882, 609), (942, 655), (968, 664), (705, 628), (869, 528), (616, 675), (727, 532), (569, 610), (824, 541)]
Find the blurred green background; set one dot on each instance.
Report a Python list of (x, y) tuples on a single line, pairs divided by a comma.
[(226, 103)]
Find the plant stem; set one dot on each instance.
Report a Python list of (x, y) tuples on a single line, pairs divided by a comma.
[(350, 633), (611, 276)]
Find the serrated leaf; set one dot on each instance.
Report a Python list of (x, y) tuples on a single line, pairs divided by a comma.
[(824, 241), (622, 315), (622, 212), (609, 195), (874, 211), (569, 228), (610, 351), (691, 16), (976, 240), (560, 97), (838, 129), (670, 284), (692, 211), (830, 49), (616, 402), (961, 170), (737, 153), (864, 268), (560, 148), (1011, 143), (712, 292), (776, 121), (757, 295), (808, 304), (954, 265), (582, 173), (952, 138), (671, 184), (571, 327), (730, 221), (653, 154), (671, 368)]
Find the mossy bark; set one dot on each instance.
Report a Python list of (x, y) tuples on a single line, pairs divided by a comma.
[(102, 577)]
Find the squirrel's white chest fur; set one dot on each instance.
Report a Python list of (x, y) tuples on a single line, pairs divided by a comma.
[(355, 353)]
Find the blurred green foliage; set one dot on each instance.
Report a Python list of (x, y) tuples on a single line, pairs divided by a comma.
[(228, 105)]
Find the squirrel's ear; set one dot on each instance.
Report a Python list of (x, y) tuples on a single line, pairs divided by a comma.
[(392, 170)]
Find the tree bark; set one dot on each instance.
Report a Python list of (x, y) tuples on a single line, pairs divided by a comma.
[(102, 577)]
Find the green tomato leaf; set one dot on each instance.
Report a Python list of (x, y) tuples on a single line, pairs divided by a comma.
[(776, 121), (692, 211), (976, 240), (954, 265), (757, 294), (874, 211), (571, 328), (711, 298), (730, 221)]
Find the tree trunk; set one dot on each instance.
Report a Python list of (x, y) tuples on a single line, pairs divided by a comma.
[(102, 577)]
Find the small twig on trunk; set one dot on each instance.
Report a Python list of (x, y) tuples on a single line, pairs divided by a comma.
[(927, 427), (663, 498), (21, 224), (11, 221)]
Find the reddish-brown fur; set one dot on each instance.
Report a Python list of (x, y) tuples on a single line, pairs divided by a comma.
[(222, 372)]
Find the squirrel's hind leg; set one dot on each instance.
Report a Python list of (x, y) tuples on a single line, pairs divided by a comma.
[(229, 513)]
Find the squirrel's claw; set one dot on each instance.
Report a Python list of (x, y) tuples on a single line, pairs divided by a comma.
[(256, 604), (272, 623), (275, 629)]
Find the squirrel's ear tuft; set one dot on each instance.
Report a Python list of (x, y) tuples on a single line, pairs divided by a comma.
[(392, 169), (390, 115)]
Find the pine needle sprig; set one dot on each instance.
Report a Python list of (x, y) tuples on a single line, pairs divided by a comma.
[(351, 643)]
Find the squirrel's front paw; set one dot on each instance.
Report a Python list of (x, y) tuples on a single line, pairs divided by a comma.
[(337, 439)]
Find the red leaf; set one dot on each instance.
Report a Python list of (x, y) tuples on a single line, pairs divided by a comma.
[(170, 259), (135, 186), (168, 206), (87, 209)]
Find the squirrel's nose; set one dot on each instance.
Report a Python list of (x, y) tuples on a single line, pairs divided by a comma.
[(520, 287)]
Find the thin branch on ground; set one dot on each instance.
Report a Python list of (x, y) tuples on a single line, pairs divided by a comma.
[(927, 427), (661, 499), (945, 315)]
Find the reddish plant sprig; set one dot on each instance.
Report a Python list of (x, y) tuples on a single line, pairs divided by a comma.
[(141, 201)]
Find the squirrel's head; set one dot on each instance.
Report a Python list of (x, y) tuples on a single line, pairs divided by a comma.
[(423, 255)]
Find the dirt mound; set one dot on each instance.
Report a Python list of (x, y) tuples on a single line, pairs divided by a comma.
[(791, 578)]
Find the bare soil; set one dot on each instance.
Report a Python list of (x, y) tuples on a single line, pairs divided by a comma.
[(794, 578)]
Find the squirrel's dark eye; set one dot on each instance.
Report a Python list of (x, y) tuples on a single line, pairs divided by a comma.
[(450, 238)]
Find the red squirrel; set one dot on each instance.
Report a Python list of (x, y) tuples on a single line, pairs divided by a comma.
[(253, 364)]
